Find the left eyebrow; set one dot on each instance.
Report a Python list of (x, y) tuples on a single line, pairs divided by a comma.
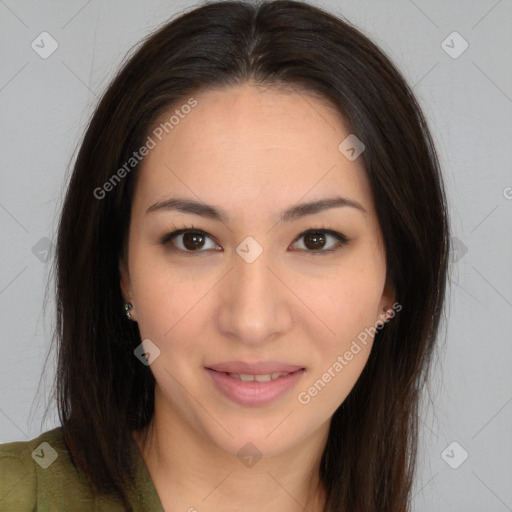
[(295, 212)]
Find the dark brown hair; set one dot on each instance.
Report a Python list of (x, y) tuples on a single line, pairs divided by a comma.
[(103, 390)]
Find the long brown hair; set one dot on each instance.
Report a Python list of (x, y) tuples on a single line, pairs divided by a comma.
[(103, 391)]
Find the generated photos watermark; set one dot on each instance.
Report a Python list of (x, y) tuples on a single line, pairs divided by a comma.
[(304, 397), (151, 143)]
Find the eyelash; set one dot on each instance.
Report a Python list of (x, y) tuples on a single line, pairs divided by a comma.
[(342, 239)]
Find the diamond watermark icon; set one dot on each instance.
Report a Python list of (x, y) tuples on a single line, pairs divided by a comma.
[(44, 455), (249, 454), (42, 249), (454, 45), (351, 147), (147, 352), (459, 249), (454, 455), (249, 249), (44, 45)]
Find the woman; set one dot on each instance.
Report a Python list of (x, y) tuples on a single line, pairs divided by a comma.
[(251, 265)]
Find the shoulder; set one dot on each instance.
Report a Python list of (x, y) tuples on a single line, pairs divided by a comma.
[(39, 475), (17, 475)]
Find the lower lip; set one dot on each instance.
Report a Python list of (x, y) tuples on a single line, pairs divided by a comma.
[(253, 393)]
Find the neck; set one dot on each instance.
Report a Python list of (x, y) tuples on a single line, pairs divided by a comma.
[(190, 473)]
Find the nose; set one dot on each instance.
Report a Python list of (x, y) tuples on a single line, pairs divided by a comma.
[(255, 303)]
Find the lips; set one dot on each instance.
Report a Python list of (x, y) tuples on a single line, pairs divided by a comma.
[(267, 377), (255, 389), (258, 368), (254, 384)]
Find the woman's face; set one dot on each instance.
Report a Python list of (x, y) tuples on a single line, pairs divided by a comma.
[(253, 289)]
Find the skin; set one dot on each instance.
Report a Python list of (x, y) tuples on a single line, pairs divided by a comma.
[(253, 152)]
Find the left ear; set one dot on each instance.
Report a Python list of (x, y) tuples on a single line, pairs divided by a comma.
[(387, 301), (124, 282)]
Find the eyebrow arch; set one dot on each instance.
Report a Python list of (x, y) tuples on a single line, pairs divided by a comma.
[(212, 212)]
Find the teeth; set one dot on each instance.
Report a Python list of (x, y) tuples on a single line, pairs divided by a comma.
[(258, 378), (263, 378)]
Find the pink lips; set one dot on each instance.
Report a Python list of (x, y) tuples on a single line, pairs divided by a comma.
[(254, 393), (260, 368)]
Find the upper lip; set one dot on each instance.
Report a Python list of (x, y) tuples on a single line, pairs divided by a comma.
[(258, 368)]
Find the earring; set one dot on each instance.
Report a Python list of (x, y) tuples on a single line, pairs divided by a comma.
[(127, 307), (384, 318), (388, 311)]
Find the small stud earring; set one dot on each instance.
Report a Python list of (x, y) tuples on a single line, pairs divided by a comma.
[(384, 318), (127, 307), (388, 311)]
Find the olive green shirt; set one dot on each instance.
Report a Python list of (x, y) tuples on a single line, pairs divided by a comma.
[(38, 475)]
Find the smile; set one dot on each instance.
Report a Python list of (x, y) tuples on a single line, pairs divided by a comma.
[(250, 389), (259, 378)]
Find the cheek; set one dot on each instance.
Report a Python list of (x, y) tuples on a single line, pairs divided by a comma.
[(348, 301), (349, 311), (167, 307), (165, 295), (348, 304)]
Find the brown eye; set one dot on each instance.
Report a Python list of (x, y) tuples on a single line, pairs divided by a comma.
[(188, 242), (193, 241), (316, 241)]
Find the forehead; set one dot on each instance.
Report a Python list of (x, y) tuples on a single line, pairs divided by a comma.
[(245, 146)]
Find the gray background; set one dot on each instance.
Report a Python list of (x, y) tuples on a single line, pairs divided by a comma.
[(45, 106)]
